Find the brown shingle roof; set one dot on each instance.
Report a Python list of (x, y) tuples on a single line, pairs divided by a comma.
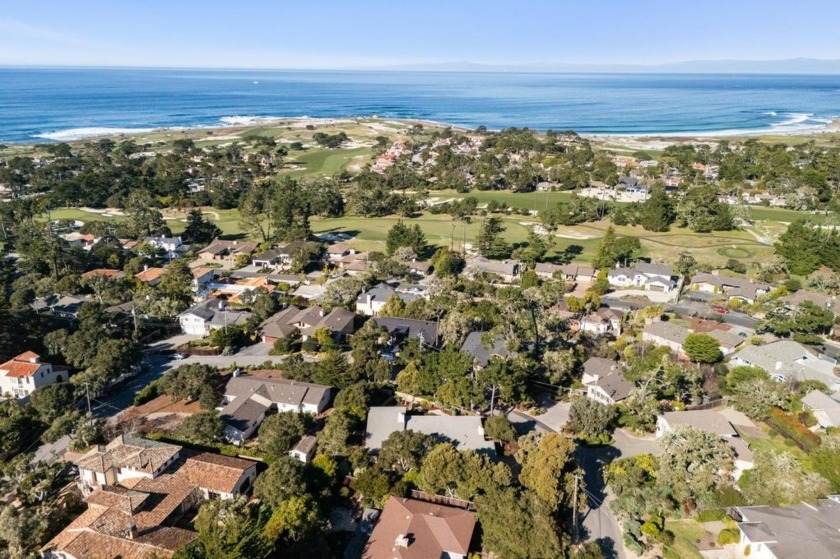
[(430, 530)]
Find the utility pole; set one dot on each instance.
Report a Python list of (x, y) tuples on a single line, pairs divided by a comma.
[(87, 393), (574, 511)]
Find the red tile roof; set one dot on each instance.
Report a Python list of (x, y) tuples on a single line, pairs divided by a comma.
[(22, 365)]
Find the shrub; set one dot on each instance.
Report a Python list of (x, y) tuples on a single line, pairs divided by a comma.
[(311, 345), (711, 515), (149, 393), (282, 346), (790, 428), (747, 551), (728, 536)]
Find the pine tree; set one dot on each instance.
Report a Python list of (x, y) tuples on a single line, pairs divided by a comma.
[(657, 212)]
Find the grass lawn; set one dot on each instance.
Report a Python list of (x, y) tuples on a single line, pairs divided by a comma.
[(686, 532), (529, 200), (327, 162), (780, 214)]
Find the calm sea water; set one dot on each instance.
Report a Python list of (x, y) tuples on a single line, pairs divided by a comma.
[(62, 104)]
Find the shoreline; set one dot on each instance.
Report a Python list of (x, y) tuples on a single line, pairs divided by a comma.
[(234, 124)]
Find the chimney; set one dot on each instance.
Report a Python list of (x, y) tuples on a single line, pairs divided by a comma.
[(35, 359), (401, 541), (131, 530), (321, 311), (236, 372), (145, 267), (221, 304), (401, 417)]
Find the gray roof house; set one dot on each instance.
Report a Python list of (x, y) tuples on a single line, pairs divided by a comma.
[(604, 381), (293, 321), (801, 530), (405, 328), (731, 287), (248, 397), (465, 432), (825, 408), (786, 361), (649, 277), (370, 302), (665, 334), (212, 314), (508, 270), (711, 422), (481, 352)]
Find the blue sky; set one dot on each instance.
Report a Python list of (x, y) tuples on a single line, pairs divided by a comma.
[(347, 33)]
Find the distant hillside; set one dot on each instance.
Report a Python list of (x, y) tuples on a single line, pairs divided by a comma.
[(790, 66)]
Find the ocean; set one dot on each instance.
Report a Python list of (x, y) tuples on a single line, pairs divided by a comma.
[(38, 105)]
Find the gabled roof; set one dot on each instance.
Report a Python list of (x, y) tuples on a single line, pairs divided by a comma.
[(704, 420), (306, 444), (24, 365), (127, 451), (474, 345), (408, 328), (431, 531), (818, 400), (802, 530), (667, 331), (501, 267), (150, 274), (654, 269)]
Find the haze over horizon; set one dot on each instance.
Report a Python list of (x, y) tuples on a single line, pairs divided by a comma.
[(538, 34)]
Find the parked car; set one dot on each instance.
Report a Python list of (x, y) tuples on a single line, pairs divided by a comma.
[(721, 310)]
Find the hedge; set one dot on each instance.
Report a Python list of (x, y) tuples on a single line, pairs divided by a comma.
[(789, 427)]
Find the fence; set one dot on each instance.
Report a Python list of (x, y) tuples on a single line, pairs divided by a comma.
[(440, 500), (708, 405)]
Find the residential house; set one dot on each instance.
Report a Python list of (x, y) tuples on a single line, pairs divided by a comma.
[(354, 264), (403, 329), (227, 251), (419, 269), (172, 247), (22, 375), (465, 432), (209, 315), (268, 258), (731, 288), (409, 529), (304, 450), (248, 397), (802, 530), (795, 300), (711, 422), (665, 334), (313, 292), (60, 306), (150, 275), (137, 490), (202, 277), (788, 361), (338, 251), (728, 341), (604, 381), (568, 272), (84, 241), (295, 321), (370, 302), (482, 353), (507, 270), (649, 277), (825, 408)]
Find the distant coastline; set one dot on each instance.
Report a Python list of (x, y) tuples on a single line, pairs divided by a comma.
[(38, 105)]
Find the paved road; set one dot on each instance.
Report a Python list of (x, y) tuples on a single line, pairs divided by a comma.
[(598, 523), (702, 310), (155, 365)]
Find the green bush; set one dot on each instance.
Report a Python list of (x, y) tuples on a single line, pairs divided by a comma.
[(282, 346), (149, 393), (728, 536), (311, 345), (711, 515)]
